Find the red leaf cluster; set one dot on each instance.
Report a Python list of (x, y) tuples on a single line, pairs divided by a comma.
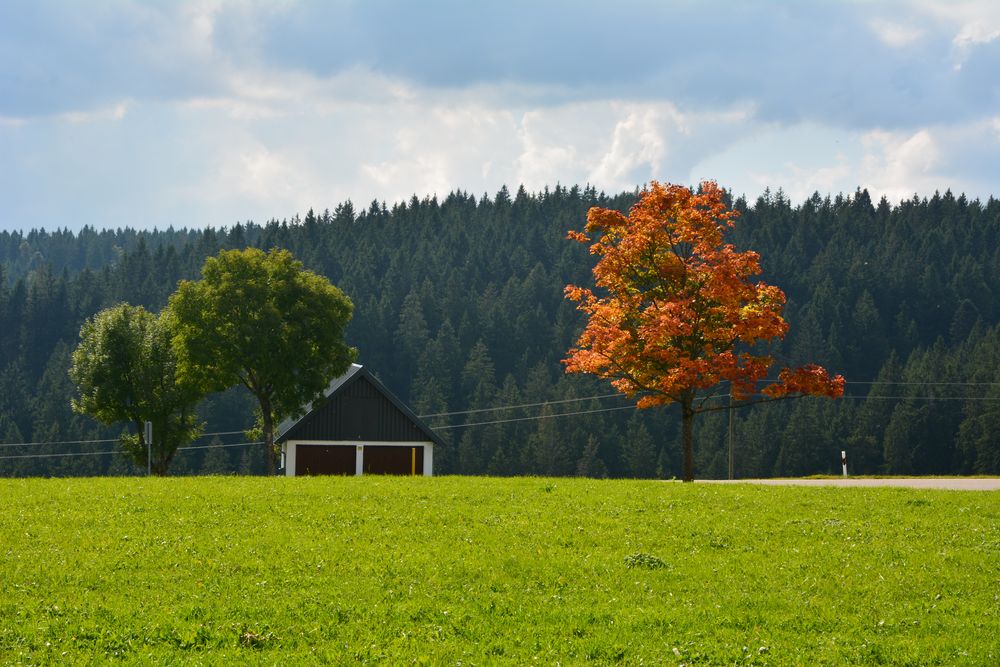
[(811, 380), (675, 310)]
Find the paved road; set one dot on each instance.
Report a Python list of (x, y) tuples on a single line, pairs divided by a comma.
[(953, 483)]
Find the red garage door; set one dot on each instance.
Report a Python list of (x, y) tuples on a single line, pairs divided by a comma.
[(385, 460), (324, 460)]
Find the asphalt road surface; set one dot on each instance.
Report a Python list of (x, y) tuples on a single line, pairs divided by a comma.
[(953, 483)]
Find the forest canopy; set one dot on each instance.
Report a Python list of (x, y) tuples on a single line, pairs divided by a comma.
[(459, 306)]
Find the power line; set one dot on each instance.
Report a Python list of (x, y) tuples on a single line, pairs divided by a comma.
[(521, 419), (238, 444), (604, 396), (855, 397), (91, 442), (924, 398), (928, 384), (205, 435), (909, 383), (523, 405), (626, 407), (120, 451), (56, 442), (514, 407), (49, 456)]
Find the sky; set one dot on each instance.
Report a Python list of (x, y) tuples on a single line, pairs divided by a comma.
[(119, 113)]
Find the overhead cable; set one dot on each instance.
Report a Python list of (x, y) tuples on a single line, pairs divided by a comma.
[(49, 456), (91, 442), (237, 444), (119, 451), (521, 419), (56, 442), (523, 405)]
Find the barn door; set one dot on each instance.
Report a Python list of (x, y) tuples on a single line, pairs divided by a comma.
[(394, 460), (324, 460)]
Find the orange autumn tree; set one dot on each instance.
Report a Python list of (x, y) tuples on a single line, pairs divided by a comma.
[(677, 318)]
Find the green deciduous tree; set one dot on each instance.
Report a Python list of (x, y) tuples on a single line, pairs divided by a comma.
[(261, 320), (125, 370)]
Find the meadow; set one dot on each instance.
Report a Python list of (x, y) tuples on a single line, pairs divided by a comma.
[(470, 571)]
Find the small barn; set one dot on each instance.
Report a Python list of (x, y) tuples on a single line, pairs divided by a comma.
[(358, 428)]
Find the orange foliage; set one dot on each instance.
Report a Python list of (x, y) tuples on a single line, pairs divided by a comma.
[(675, 311)]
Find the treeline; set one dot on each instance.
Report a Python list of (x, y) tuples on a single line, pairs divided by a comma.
[(459, 307)]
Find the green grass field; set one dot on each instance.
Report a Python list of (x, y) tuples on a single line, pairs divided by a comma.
[(494, 571)]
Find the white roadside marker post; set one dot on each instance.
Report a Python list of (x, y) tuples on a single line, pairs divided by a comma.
[(843, 461)]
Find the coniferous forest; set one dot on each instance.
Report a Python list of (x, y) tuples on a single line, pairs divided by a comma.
[(459, 309)]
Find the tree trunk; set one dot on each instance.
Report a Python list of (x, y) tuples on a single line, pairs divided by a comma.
[(687, 436), (160, 460), (268, 427)]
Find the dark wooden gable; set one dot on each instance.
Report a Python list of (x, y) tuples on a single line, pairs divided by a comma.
[(358, 410)]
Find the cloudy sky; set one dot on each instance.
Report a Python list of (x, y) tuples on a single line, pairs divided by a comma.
[(118, 112)]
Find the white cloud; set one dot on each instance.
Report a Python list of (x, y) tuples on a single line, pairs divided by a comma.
[(200, 18), (898, 164), (225, 159), (799, 182), (895, 35), (636, 150), (116, 112), (233, 107), (197, 115), (436, 148), (972, 23), (429, 175), (265, 175), (977, 32), (616, 145), (545, 155), (895, 163)]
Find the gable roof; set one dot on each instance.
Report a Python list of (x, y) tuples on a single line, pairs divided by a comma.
[(339, 385)]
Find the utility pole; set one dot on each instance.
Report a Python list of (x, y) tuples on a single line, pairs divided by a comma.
[(732, 434), (149, 448)]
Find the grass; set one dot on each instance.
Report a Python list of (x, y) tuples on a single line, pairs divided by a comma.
[(494, 571)]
